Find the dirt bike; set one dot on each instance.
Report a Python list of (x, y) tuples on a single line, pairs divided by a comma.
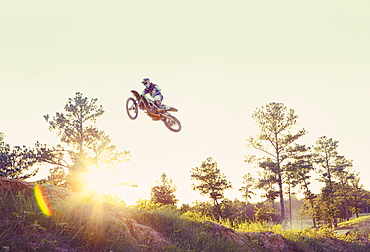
[(152, 110)]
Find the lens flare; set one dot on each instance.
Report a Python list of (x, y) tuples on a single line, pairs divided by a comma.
[(42, 201)]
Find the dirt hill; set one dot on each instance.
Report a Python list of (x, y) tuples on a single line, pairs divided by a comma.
[(79, 223)]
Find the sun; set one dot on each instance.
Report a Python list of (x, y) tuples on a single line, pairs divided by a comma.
[(100, 180), (106, 181)]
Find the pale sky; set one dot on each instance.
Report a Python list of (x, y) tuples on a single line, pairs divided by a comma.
[(216, 61)]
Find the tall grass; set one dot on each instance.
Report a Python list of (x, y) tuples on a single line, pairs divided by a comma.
[(74, 226), (187, 232), (190, 232), (82, 224), (21, 220), (320, 239)]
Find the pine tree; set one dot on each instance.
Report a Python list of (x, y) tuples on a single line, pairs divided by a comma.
[(86, 145), (275, 141), (16, 162), (248, 184), (210, 181), (163, 192)]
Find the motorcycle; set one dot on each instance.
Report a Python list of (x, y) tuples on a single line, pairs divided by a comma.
[(152, 110)]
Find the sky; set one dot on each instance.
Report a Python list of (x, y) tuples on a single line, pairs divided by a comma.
[(216, 62)]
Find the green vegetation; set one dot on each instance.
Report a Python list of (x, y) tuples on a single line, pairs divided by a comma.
[(286, 165), (364, 220), (95, 222), (210, 182), (275, 140), (84, 144), (285, 168), (16, 162), (79, 223), (163, 192)]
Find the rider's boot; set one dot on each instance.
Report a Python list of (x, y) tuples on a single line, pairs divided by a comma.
[(160, 108)]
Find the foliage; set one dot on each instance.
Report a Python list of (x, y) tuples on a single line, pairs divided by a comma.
[(237, 211), (210, 181), (334, 172), (163, 192), (299, 174), (266, 213), (79, 224), (147, 205), (57, 177), (71, 127), (206, 208), (234, 211), (189, 232), (275, 141), (358, 196), (16, 162), (310, 240), (248, 183), (363, 220), (86, 145)]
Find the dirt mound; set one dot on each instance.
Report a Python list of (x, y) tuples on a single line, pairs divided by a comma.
[(269, 240), (68, 205), (80, 224), (15, 186)]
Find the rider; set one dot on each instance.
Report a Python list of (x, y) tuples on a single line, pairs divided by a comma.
[(155, 92)]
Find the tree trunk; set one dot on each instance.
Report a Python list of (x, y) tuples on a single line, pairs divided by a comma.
[(281, 199), (290, 206), (346, 208), (314, 222), (313, 214), (218, 208)]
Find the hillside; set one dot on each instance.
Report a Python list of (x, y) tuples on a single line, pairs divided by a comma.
[(78, 223)]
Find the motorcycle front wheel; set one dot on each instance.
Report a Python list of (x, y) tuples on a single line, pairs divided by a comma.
[(172, 123), (132, 108)]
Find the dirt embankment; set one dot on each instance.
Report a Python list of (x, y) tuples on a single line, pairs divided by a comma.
[(76, 225), (136, 233)]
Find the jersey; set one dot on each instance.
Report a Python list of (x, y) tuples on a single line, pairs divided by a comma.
[(153, 90)]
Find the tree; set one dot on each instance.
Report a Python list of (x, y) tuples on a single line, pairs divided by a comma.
[(263, 212), (359, 197), (331, 167), (57, 177), (248, 184), (237, 211), (202, 208), (343, 175), (163, 192), (210, 181), (266, 181), (86, 145), (299, 173), (274, 140), (16, 162)]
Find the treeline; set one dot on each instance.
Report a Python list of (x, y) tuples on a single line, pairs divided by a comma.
[(284, 166)]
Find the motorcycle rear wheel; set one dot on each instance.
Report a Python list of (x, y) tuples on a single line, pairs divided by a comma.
[(132, 108), (172, 123)]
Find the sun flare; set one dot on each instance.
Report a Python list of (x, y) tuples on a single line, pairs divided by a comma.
[(106, 181)]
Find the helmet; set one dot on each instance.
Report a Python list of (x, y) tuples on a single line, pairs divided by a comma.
[(145, 81)]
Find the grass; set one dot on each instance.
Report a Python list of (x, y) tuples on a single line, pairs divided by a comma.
[(358, 222), (321, 239), (74, 226), (81, 224)]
